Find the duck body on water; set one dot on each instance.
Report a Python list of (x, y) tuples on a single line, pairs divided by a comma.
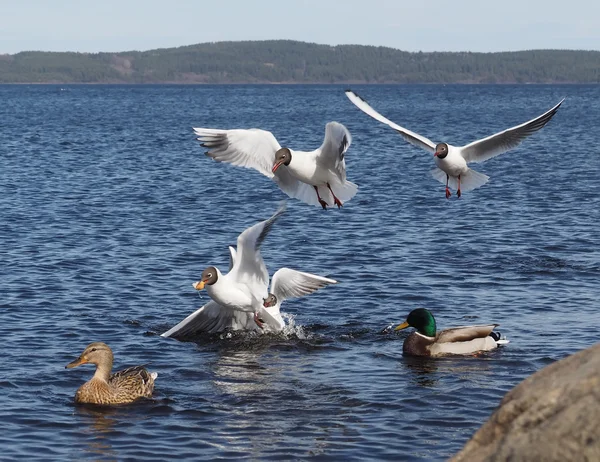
[(104, 388), (464, 340)]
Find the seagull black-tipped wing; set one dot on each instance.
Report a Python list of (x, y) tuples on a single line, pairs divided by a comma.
[(411, 137), (249, 266), (333, 150), (489, 147), (210, 319), (252, 148)]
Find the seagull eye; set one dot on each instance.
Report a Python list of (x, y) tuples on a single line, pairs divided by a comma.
[(92, 350)]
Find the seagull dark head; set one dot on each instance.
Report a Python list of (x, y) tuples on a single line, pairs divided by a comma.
[(441, 150), (209, 277), (282, 157), (270, 301)]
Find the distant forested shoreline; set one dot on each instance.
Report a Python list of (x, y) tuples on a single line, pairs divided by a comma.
[(285, 61)]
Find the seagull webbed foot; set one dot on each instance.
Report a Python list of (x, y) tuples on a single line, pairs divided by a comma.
[(259, 322), (321, 201), (336, 201)]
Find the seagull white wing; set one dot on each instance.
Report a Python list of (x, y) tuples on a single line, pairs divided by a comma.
[(248, 266), (255, 149), (411, 137), (213, 318), (232, 255), (295, 188), (489, 147), (252, 148), (273, 322), (332, 151), (289, 283)]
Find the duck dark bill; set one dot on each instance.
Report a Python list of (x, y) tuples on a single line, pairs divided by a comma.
[(404, 325)]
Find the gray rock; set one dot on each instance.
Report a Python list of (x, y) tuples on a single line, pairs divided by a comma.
[(553, 415)]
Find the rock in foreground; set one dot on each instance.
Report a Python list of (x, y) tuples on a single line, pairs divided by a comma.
[(553, 415)]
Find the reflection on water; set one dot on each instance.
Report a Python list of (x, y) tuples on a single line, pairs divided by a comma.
[(423, 370), (117, 227), (100, 424), (426, 372), (240, 377), (271, 380), (239, 373)]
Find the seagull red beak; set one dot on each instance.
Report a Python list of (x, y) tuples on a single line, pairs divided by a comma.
[(276, 166), (436, 154)]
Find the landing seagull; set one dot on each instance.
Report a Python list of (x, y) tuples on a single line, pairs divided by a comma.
[(236, 296), (317, 177), (451, 160), (212, 317)]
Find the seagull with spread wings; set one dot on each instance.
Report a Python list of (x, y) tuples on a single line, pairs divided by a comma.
[(288, 283), (236, 296), (317, 177), (451, 160), (240, 298)]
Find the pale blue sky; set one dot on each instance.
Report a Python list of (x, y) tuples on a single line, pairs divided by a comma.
[(427, 25)]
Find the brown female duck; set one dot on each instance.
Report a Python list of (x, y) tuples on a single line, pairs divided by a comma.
[(105, 388)]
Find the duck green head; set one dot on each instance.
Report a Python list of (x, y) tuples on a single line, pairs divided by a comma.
[(422, 320)]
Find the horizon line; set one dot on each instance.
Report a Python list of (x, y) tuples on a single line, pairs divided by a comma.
[(301, 41)]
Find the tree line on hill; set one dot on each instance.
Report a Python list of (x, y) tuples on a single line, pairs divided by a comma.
[(284, 61)]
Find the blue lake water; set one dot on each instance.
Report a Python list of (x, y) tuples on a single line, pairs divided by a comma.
[(109, 210)]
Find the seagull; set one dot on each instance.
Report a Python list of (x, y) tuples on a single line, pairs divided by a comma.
[(236, 296), (212, 317), (451, 160), (317, 177), (288, 283)]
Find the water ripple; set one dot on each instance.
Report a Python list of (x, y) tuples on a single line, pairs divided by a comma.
[(110, 210)]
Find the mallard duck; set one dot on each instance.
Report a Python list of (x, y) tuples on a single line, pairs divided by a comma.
[(458, 340), (105, 388)]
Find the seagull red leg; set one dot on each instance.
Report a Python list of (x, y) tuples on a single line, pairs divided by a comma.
[(458, 192), (321, 201), (259, 322), (448, 193), (336, 201)]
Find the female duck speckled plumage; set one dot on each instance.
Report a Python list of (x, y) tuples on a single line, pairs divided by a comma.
[(105, 388), (426, 341)]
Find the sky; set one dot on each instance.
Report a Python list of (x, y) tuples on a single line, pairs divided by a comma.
[(416, 25)]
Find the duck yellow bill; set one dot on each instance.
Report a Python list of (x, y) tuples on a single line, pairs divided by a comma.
[(199, 285), (404, 325), (76, 363)]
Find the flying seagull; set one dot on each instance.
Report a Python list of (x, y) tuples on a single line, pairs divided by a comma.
[(317, 177), (451, 160)]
